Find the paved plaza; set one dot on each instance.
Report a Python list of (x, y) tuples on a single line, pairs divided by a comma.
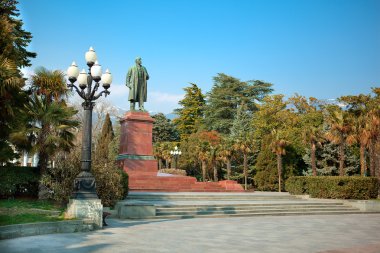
[(319, 233)]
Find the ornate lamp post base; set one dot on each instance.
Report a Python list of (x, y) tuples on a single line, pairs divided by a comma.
[(91, 209), (84, 186)]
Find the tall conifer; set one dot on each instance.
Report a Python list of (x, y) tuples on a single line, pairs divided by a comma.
[(190, 116)]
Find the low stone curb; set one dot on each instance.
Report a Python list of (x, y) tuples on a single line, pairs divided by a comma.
[(364, 205), (41, 228)]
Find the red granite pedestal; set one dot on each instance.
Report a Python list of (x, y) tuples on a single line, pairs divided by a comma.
[(136, 156)]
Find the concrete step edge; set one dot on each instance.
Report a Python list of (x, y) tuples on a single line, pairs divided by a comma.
[(159, 209), (257, 214), (253, 211)]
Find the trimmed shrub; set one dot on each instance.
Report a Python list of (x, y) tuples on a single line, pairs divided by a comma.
[(296, 185), (125, 182), (266, 180), (334, 187), (18, 181), (111, 182)]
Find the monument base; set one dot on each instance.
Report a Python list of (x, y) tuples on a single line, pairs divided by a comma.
[(136, 158), (91, 209), (159, 182)]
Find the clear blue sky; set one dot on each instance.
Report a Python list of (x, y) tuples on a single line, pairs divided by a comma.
[(321, 48)]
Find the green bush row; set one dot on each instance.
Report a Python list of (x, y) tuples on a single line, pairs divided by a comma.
[(333, 187), (18, 181)]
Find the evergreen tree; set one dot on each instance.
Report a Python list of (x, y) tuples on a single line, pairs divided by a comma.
[(276, 126), (13, 38), (190, 116), (111, 182), (163, 129), (104, 140), (227, 94), (241, 134), (13, 55), (266, 178)]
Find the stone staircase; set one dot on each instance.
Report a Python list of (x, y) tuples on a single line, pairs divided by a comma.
[(191, 205)]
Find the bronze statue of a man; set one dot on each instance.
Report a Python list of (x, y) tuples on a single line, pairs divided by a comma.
[(137, 83)]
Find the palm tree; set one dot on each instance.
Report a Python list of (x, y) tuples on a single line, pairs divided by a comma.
[(361, 134), (165, 148), (48, 87), (373, 126), (49, 130), (203, 156), (158, 150), (50, 84), (208, 141), (244, 146), (312, 135), (213, 155), (340, 128), (225, 154), (278, 145)]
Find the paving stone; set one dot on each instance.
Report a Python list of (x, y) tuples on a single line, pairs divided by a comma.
[(280, 234)]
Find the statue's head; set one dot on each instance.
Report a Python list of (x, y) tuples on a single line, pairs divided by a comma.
[(138, 60)]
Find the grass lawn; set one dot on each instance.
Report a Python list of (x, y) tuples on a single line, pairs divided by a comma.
[(17, 211)]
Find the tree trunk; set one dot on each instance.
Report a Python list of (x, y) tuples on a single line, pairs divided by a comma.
[(43, 155), (372, 159), (245, 164), (377, 158), (215, 172), (363, 165), (341, 160), (43, 159), (159, 163), (313, 162), (204, 170), (228, 169), (279, 168)]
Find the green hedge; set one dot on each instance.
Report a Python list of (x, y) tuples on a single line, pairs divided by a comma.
[(19, 181), (333, 187)]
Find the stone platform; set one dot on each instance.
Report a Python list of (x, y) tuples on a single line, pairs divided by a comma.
[(182, 205), (136, 158)]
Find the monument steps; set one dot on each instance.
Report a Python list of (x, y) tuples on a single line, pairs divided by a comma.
[(178, 184), (263, 213), (207, 205), (210, 197)]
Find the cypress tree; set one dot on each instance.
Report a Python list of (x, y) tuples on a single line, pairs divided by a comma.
[(105, 138)]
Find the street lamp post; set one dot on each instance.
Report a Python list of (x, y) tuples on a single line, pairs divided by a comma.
[(84, 183), (176, 152)]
